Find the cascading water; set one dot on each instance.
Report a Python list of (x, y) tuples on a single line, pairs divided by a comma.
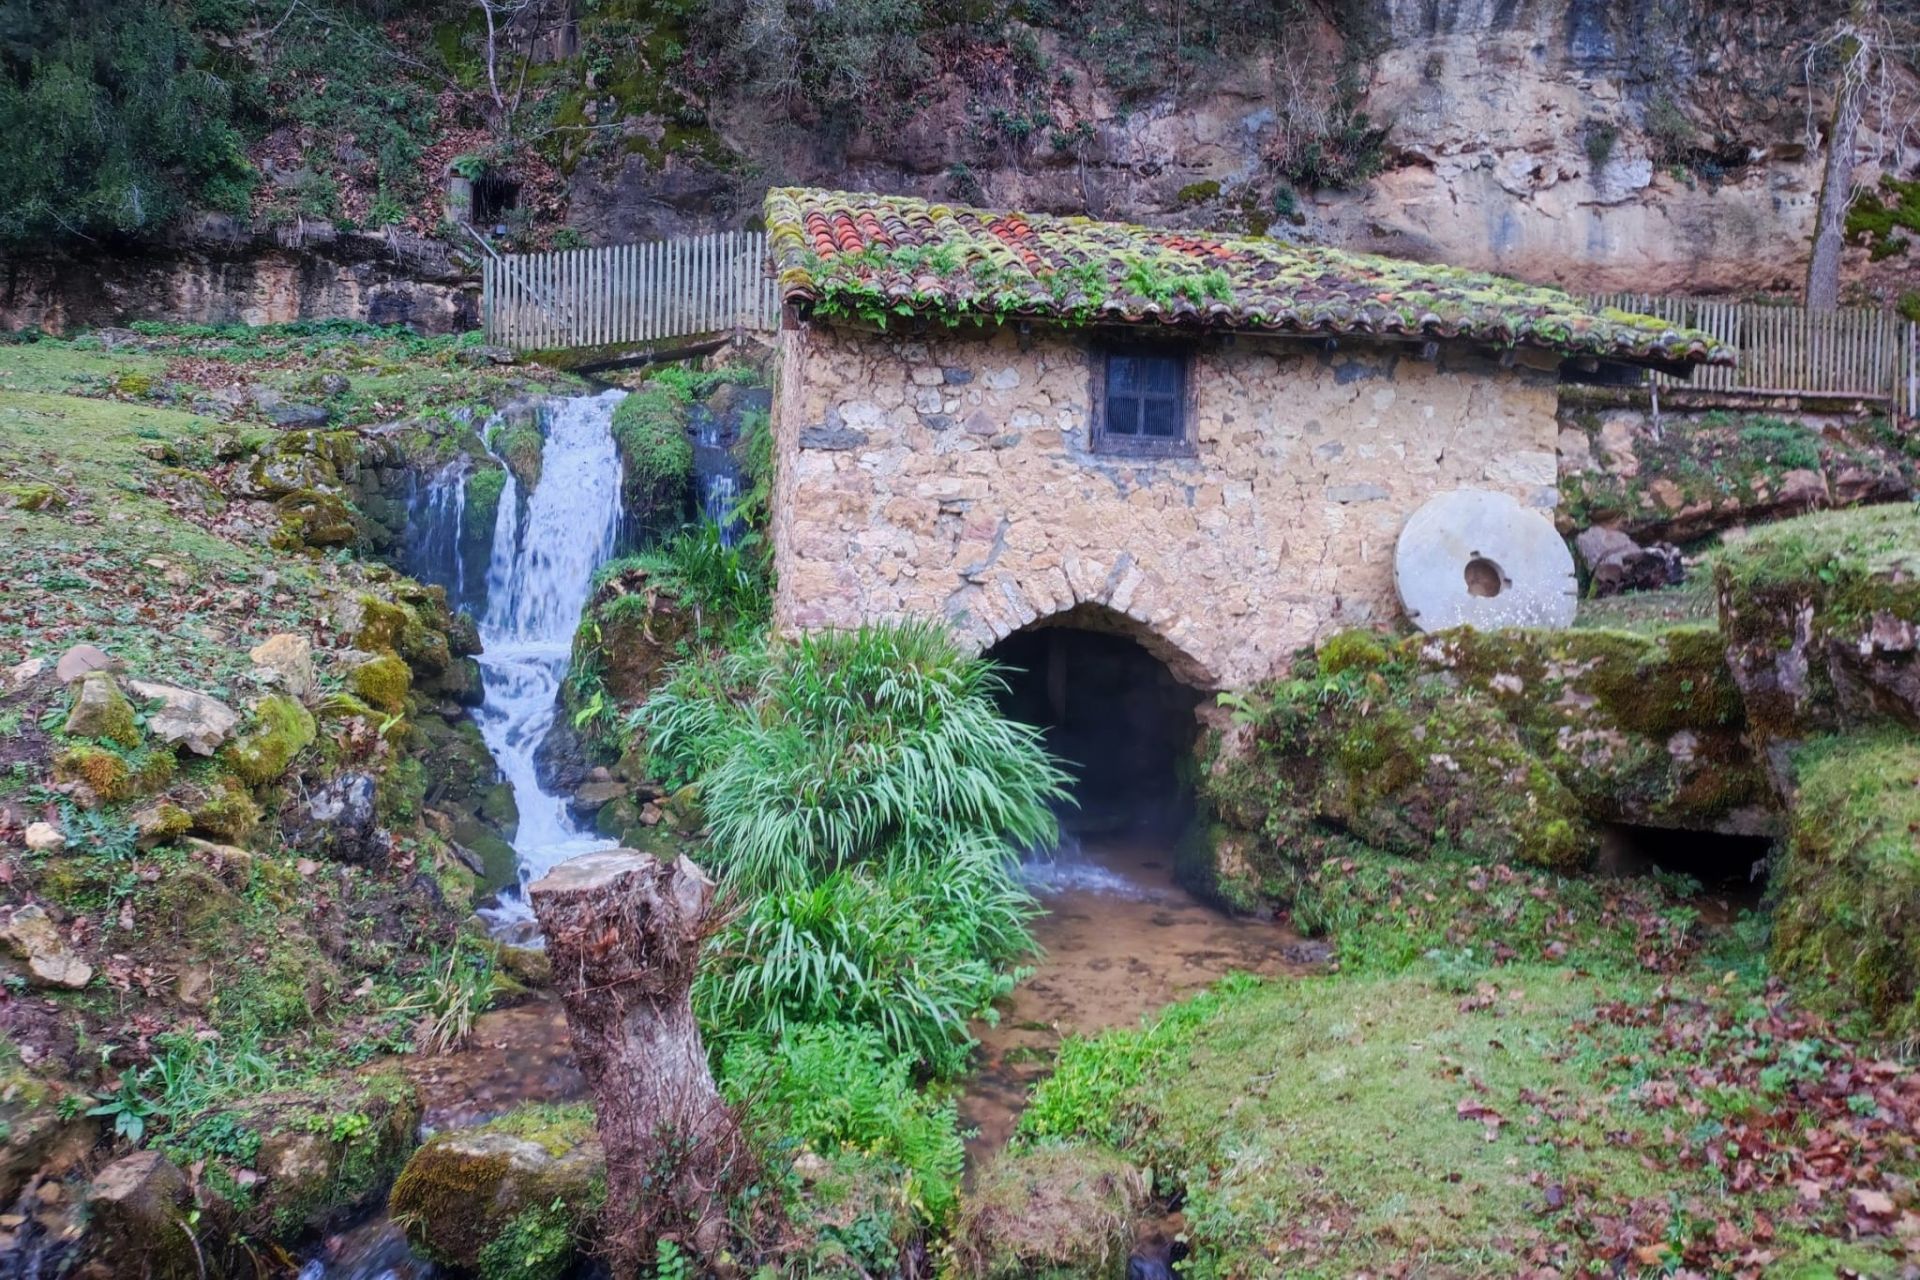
[(436, 517), (537, 584), (716, 472)]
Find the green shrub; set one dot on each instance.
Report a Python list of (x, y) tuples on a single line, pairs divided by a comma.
[(867, 798), (834, 1089), (854, 745), (113, 118), (727, 584)]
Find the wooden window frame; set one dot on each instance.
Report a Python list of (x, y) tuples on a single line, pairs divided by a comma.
[(1102, 441)]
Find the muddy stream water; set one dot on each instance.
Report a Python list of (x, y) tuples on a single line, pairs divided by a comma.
[(1120, 939)]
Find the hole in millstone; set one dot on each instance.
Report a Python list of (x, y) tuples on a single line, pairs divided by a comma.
[(1484, 577)]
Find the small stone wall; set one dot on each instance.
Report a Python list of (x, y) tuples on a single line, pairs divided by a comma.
[(951, 477)]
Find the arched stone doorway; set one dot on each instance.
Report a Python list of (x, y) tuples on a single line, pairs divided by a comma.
[(1106, 696)]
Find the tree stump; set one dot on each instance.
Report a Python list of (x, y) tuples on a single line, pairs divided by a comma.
[(624, 932)]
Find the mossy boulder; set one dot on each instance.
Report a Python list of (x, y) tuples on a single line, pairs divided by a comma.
[(1845, 928), (282, 730), (31, 497), (138, 1220), (633, 629), (1054, 1211), (1500, 745), (295, 1161), (467, 1198), (111, 776), (650, 429), (1821, 619), (1717, 470), (313, 518), (228, 812), (101, 711), (37, 1119), (519, 444), (383, 682)]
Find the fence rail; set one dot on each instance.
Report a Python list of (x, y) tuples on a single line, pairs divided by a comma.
[(1790, 351), (630, 293)]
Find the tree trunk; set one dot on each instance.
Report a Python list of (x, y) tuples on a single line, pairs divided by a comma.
[(624, 932), (1836, 185)]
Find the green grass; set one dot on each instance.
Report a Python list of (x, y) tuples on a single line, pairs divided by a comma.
[(1334, 1126)]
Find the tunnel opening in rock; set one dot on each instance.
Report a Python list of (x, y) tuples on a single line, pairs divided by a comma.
[(1728, 866), (1117, 718), (494, 197)]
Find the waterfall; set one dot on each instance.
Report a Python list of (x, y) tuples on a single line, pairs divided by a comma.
[(538, 579), (435, 518), (716, 473)]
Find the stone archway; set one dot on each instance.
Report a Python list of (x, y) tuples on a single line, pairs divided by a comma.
[(1112, 708), (1123, 600)]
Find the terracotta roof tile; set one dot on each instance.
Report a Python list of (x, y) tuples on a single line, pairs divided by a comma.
[(859, 254)]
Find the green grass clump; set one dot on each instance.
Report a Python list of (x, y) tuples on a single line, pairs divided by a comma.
[(837, 1089), (1845, 926), (868, 801)]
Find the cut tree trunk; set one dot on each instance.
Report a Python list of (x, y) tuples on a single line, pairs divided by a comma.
[(624, 932)]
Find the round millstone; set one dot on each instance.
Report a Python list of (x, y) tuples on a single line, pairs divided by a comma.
[(1478, 558)]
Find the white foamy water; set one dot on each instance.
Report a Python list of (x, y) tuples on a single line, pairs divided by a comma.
[(537, 585), (1068, 869)]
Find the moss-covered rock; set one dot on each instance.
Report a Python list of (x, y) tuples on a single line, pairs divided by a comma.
[(1845, 928), (466, 1198), (382, 682), (1714, 471), (229, 812), (650, 428), (313, 518), (1054, 1211), (519, 444), (292, 1162), (31, 497), (101, 711), (138, 1223), (282, 730), (112, 776), (1821, 619), (1503, 745)]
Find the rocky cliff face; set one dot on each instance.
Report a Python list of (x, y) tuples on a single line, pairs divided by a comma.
[(1641, 145)]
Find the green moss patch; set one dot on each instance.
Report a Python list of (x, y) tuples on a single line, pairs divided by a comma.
[(282, 730), (1846, 926)]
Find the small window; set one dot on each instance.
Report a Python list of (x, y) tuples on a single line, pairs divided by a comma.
[(1143, 403)]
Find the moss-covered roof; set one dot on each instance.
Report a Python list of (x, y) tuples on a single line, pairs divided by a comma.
[(875, 256)]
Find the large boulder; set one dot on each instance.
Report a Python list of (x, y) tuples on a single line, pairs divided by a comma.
[(1845, 929), (200, 723), (1821, 619), (1504, 745), (467, 1199), (317, 1153)]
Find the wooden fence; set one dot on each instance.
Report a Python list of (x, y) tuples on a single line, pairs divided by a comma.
[(1862, 352), (629, 294), (700, 286)]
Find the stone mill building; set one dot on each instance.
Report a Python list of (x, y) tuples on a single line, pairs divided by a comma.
[(1205, 443)]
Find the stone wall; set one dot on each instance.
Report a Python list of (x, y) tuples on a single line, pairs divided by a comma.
[(951, 477)]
